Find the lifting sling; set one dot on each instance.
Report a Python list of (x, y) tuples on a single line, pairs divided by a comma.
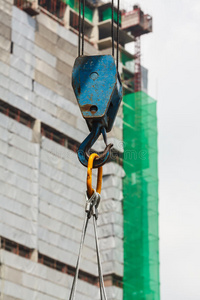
[(93, 198)]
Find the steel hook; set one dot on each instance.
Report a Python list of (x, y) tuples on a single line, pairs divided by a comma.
[(86, 145)]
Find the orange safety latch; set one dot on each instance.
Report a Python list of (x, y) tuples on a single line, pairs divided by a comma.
[(90, 190)]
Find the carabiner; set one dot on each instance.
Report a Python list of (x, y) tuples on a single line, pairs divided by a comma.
[(85, 147), (90, 190)]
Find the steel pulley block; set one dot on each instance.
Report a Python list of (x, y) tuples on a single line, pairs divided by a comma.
[(98, 89)]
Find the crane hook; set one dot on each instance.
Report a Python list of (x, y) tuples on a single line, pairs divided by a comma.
[(86, 145)]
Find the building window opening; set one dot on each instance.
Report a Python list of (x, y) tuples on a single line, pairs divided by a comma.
[(16, 114), (16, 248)]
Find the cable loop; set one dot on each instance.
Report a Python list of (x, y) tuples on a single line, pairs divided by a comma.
[(90, 190)]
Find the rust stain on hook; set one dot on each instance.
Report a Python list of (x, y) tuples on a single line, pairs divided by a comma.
[(86, 107)]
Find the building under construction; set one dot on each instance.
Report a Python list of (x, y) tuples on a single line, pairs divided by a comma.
[(42, 184)]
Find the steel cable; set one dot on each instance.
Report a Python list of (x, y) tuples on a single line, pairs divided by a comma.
[(74, 284), (112, 30), (83, 27), (117, 35), (101, 282), (79, 32)]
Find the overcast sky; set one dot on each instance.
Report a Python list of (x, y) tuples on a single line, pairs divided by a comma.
[(172, 55)]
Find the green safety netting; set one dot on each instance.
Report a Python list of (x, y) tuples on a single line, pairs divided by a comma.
[(128, 62), (107, 14), (140, 204), (74, 4)]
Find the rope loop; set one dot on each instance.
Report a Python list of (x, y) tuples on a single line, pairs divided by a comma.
[(90, 190)]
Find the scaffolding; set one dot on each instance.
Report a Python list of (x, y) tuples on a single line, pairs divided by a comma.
[(74, 4), (140, 205)]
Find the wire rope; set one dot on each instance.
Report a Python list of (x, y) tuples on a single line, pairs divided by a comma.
[(118, 35), (74, 284), (79, 31), (83, 27), (112, 29)]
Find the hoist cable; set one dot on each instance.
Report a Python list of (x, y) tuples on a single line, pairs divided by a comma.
[(117, 35), (83, 27), (112, 30), (79, 31)]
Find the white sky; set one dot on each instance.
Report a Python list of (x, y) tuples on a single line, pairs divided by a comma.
[(172, 55)]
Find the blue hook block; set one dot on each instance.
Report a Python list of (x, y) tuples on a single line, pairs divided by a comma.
[(98, 89)]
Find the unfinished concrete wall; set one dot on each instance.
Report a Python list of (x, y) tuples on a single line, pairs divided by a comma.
[(19, 161), (42, 184)]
